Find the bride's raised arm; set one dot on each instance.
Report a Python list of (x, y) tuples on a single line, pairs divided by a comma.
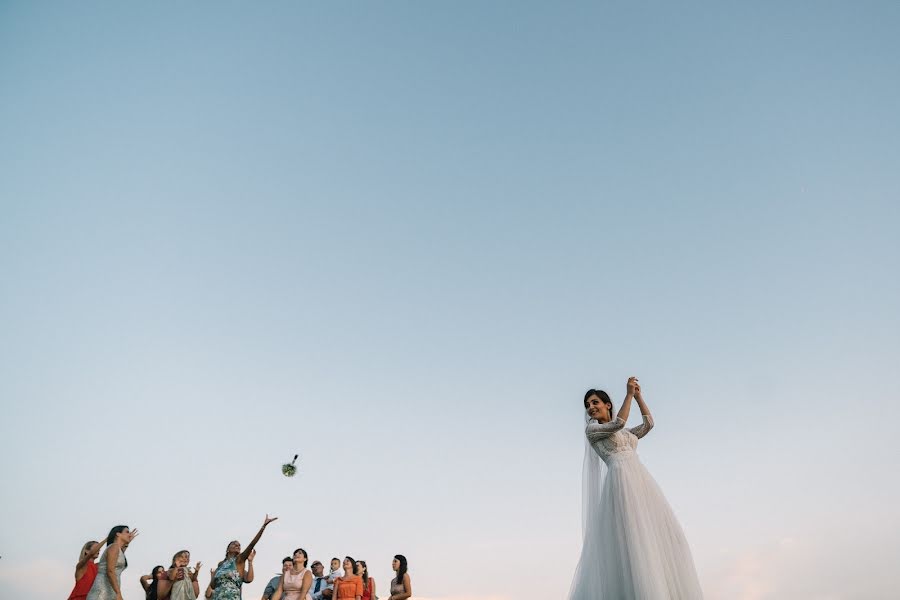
[(645, 427), (596, 431)]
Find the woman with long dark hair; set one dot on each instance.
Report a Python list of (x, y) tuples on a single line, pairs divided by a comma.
[(232, 570), (107, 585), (362, 569), (150, 582), (633, 547), (86, 569), (401, 587)]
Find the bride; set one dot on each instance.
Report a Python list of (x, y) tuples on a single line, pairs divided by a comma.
[(633, 547)]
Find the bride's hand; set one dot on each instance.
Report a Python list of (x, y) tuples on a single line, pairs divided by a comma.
[(631, 385)]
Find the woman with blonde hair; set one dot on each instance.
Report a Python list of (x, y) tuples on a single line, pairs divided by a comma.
[(86, 569)]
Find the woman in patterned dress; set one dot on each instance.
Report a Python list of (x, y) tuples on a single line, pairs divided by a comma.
[(231, 572)]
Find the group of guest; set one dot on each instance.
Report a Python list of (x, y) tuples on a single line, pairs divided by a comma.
[(347, 581), (101, 580)]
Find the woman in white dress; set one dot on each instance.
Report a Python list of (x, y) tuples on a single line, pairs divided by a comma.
[(633, 546)]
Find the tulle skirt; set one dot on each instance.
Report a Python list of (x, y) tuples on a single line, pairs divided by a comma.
[(634, 548)]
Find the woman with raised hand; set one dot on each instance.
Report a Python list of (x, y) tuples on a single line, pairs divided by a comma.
[(208, 594), (633, 546), (150, 582), (86, 570), (184, 584), (108, 584), (401, 588), (230, 574)]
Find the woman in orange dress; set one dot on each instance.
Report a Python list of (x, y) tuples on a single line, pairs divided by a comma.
[(350, 586)]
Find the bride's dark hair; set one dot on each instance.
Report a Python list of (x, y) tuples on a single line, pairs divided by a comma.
[(604, 397)]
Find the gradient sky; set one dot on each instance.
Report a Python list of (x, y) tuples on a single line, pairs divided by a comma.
[(403, 238)]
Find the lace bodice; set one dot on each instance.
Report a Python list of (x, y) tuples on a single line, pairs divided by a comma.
[(609, 439)]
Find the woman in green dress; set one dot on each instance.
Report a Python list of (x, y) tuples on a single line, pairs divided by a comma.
[(230, 573)]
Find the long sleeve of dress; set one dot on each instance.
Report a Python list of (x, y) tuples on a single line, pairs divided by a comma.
[(597, 431), (644, 428)]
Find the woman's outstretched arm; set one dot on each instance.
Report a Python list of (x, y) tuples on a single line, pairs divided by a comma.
[(242, 557), (81, 565)]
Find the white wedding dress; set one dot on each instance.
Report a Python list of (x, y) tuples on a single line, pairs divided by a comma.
[(633, 547)]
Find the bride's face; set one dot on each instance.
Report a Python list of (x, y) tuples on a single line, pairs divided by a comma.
[(598, 409)]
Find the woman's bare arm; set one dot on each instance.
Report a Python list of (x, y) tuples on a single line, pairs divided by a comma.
[(145, 581), (81, 565), (407, 589), (112, 556), (306, 585), (243, 555)]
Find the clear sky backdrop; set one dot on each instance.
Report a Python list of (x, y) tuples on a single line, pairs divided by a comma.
[(402, 238)]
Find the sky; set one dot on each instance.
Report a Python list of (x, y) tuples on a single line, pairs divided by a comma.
[(402, 239)]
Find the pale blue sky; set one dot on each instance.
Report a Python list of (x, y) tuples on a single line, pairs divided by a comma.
[(403, 238)]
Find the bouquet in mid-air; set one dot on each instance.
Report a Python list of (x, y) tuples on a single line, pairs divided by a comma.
[(290, 469)]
